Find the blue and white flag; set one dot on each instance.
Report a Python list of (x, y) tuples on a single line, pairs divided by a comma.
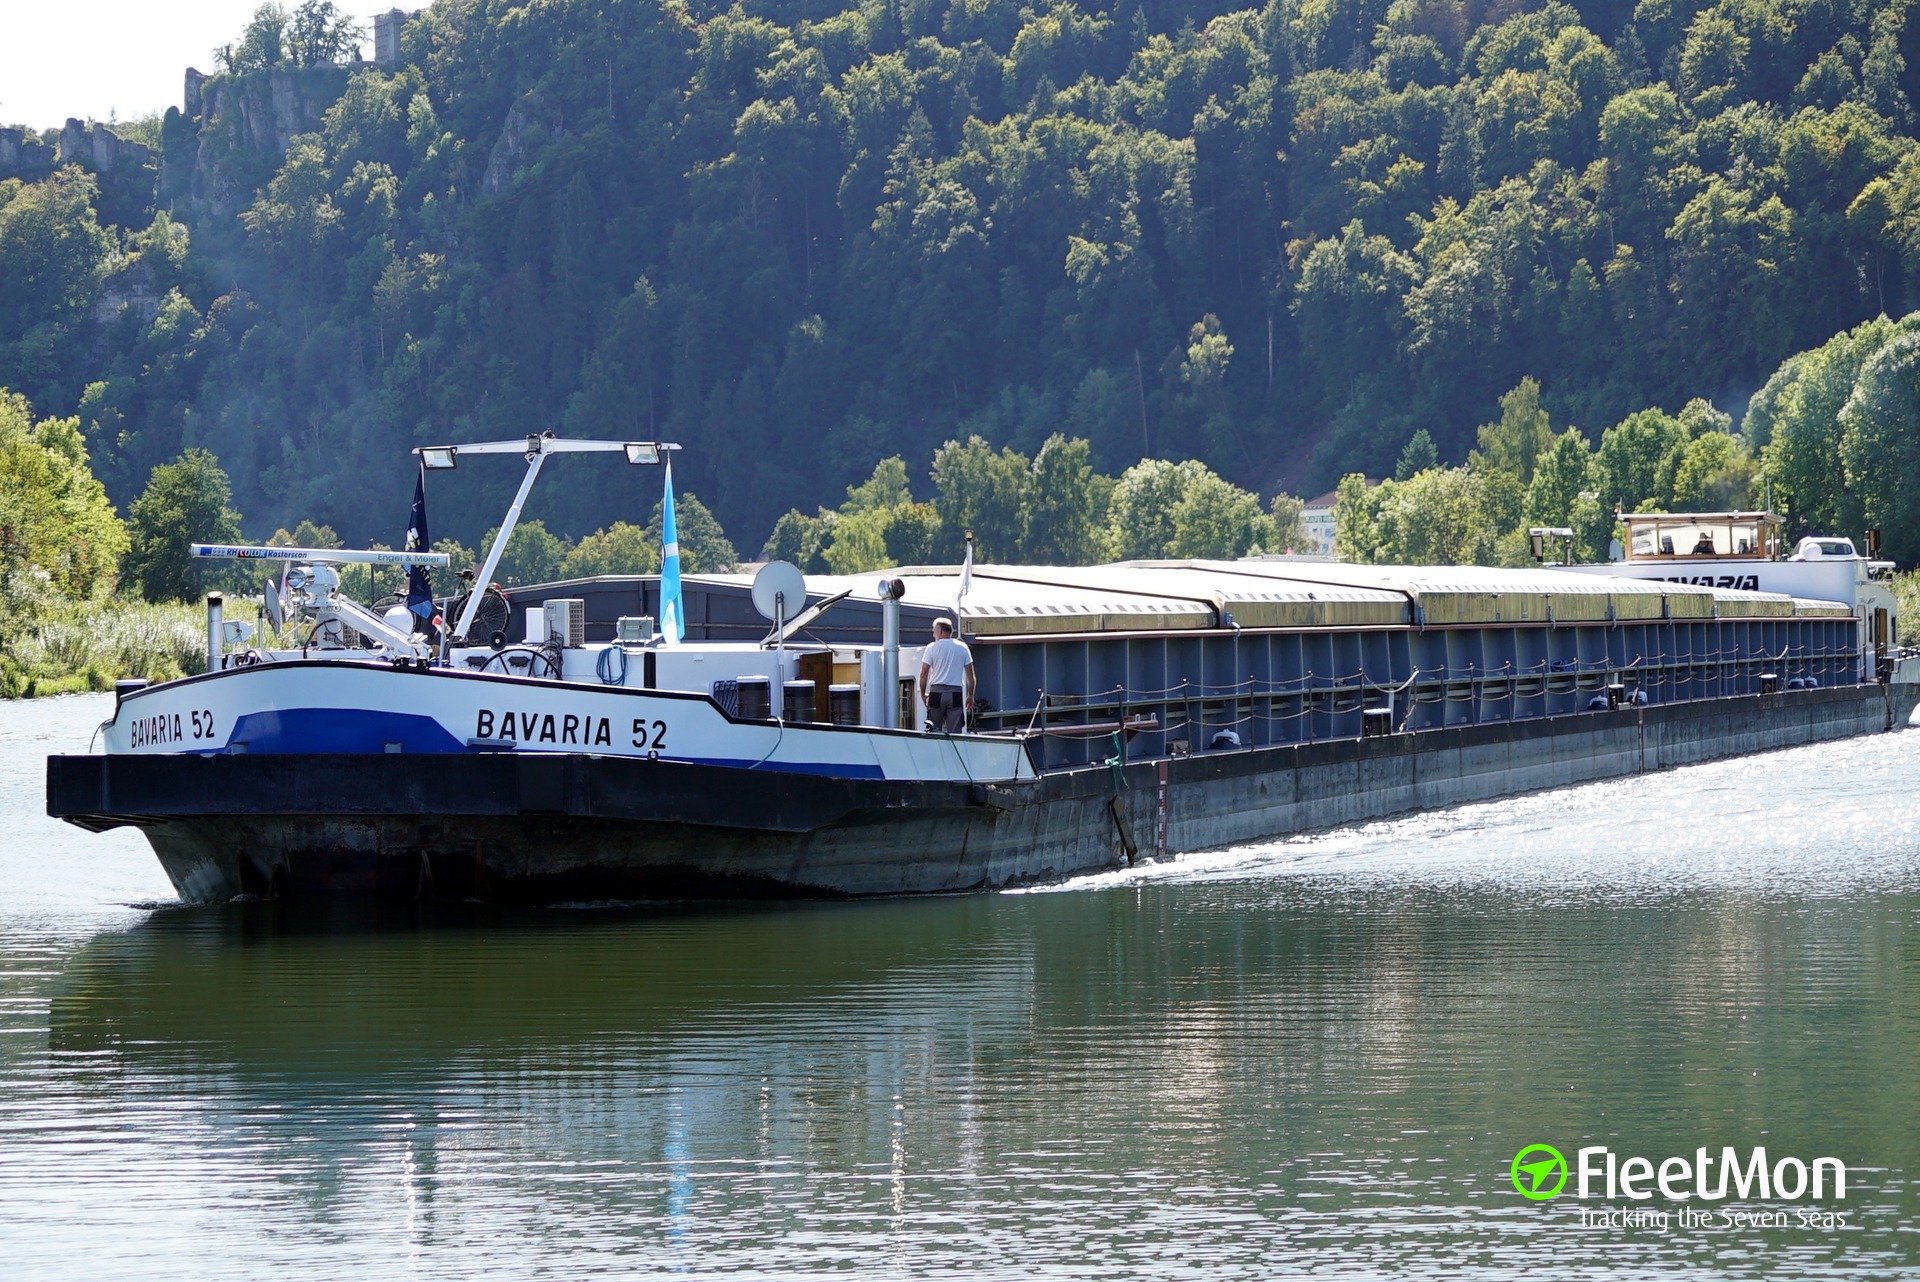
[(419, 587), (672, 613)]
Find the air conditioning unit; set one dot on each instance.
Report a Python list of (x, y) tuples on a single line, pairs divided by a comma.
[(567, 620)]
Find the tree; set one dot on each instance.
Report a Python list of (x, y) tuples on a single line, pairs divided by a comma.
[(879, 525), (1208, 355), (1629, 458), (305, 535), (887, 487), (319, 34), (1515, 444), (800, 539), (1418, 456), (315, 34), (704, 548), (1565, 493), (1289, 524), (898, 230), (261, 45), (55, 519), (1217, 519), (1713, 62), (912, 533), (1880, 447), (533, 554), (1356, 518), (981, 492), (1794, 420), (859, 543), (458, 558), (186, 501), (1140, 523), (1438, 517), (1714, 472), (52, 255), (1062, 526), (621, 548), (1699, 417)]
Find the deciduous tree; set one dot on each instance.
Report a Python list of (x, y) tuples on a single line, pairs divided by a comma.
[(186, 501)]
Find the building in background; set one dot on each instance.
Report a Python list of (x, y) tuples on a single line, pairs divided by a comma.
[(1317, 516), (386, 38)]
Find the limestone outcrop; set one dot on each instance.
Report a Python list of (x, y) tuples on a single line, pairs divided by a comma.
[(245, 125), (123, 169), (97, 148), (23, 155), (529, 121), (134, 289)]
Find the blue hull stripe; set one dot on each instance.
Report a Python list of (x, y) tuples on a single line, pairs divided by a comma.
[(334, 730), (357, 730)]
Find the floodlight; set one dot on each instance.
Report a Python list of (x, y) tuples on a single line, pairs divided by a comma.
[(640, 452), (437, 458)]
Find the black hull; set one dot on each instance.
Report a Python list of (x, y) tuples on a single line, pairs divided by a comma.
[(501, 827)]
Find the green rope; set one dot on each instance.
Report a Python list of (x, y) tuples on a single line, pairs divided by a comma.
[(1118, 763)]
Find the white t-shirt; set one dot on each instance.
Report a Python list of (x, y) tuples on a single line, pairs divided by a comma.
[(947, 661)]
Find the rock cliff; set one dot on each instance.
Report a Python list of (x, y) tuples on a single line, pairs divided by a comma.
[(529, 121), (245, 124), (133, 289), (97, 148), (23, 155), (124, 169)]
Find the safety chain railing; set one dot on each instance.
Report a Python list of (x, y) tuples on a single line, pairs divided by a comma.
[(1705, 673)]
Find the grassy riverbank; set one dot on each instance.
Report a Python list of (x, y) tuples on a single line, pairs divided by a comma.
[(66, 647)]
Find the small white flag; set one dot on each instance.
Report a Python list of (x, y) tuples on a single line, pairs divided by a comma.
[(966, 582)]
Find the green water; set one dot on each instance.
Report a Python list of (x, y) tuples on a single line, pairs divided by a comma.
[(1316, 1056)]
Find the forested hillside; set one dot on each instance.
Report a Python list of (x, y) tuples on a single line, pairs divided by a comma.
[(802, 237)]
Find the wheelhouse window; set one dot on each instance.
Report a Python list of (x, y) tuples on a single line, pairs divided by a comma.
[(1738, 535)]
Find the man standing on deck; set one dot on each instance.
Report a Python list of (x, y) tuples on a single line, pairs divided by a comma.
[(946, 668)]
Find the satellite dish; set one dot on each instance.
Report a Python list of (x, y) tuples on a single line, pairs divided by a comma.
[(775, 581)]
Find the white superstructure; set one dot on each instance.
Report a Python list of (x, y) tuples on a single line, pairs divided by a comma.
[(1745, 551), (324, 674)]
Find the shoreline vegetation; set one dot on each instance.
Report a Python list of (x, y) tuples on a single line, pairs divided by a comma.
[(83, 646), (70, 566)]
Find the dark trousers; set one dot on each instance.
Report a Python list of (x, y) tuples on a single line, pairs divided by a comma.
[(947, 708)]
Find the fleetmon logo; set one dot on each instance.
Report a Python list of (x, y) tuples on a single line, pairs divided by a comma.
[(1539, 1172)]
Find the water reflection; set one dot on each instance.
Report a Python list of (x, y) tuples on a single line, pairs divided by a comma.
[(1314, 1056), (1122, 1079)]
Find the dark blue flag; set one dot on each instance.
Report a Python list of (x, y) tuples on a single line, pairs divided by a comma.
[(419, 589)]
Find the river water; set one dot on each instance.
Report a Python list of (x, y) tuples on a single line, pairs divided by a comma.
[(1314, 1056)]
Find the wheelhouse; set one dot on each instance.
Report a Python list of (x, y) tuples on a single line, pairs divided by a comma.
[(1661, 536)]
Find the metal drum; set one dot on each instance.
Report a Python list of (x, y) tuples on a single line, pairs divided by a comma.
[(798, 701), (756, 698), (843, 705)]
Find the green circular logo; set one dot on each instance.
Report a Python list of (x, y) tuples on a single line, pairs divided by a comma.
[(1547, 1165)]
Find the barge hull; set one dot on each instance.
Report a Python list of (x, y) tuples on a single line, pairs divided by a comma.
[(543, 828)]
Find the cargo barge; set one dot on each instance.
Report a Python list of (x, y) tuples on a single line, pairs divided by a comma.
[(557, 751)]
